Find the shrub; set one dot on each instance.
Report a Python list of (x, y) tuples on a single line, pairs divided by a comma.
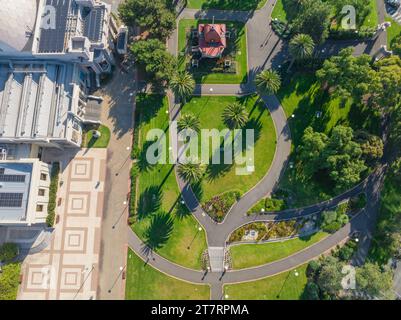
[(281, 29), (8, 251), (311, 291), (358, 202), (269, 205), (9, 281), (132, 201), (331, 221), (312, 269), (51, 208), (362, 33)]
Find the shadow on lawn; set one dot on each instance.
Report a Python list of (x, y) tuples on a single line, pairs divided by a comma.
[(159, 231), (149, 201)]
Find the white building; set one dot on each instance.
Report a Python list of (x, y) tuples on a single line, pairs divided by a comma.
[(75, 31), (24, 192), (51, 53)]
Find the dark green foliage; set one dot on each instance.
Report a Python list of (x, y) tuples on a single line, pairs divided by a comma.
[(8, 251), (331, 221), (51, 208), (153, 16), (153, 56)]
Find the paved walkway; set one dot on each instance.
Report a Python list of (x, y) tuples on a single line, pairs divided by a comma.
[(117, 114), (69, 267)]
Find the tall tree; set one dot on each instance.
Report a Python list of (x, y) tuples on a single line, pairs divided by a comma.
[(375, 281), (235, 115), (189, 122), (301, 46), (268, 82), (350, 76), (313, 19), (152, 55), (190, 172), (182, 84), (154, 16)]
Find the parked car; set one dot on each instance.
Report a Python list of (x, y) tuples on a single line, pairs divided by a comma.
[(394, 3)]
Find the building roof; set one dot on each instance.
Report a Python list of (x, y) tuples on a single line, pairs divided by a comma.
[(212, 39), (34, 99), (17, 24), (15, 180)]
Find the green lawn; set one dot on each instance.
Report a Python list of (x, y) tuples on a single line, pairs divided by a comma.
[(163, 221), (146, 283), (279, 12), (245, 5), (91, 142), (9, 281), (251, 255), (284, 286), (210, 77), (283, 10), (392, 32), (390, 211), (301, 96), (223, 178)]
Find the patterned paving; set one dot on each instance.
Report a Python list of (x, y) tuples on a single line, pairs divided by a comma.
[(68, 268)]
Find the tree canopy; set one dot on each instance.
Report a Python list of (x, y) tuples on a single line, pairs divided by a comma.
[(154, 16), (152, 55)]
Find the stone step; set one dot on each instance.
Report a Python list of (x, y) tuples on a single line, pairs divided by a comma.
[(216, 258)]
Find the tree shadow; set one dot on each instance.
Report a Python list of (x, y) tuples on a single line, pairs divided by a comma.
[(149, 201), (249, 5), (143, 163), (159, 231)]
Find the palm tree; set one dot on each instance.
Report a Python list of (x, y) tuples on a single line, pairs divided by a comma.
[(235, 115), (190, 172), (301, 47), (183, 84), (188, 121), (268, 82)]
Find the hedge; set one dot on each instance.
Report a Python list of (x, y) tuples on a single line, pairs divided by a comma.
[(51, 208)]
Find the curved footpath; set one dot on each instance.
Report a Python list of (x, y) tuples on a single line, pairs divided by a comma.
[(265, 50)]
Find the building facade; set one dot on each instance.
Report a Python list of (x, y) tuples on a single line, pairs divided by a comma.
[(24, 192), (52, 52)]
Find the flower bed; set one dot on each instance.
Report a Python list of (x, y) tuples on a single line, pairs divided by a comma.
[(218, 206), (270, 230)]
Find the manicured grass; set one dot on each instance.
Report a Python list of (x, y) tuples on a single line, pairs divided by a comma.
[(146, 283), (392, 32), (283, 10), (240, 76), (223, 178), (284, 286), (279, 12), (372, 20), (90, 141), (9, 281), (162, 221), (244, 5), (252, 255), (301, 96)]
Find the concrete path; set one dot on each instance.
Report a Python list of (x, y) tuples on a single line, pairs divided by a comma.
[(117, 114)]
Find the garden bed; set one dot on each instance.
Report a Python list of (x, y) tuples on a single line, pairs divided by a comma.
[(257, 232), (218, 207)]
